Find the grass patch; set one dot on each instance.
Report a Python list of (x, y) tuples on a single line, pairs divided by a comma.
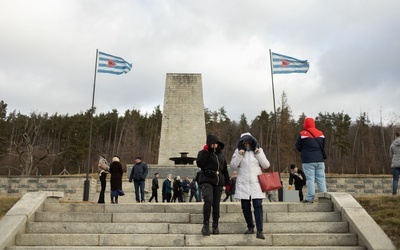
[(6, 203), (383, 209)]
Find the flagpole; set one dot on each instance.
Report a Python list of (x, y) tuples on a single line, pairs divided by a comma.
[(280, 191), (86, 186)]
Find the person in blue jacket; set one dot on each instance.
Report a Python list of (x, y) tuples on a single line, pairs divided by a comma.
[(311, 142)]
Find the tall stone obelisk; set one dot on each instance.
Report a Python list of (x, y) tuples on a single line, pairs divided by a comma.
[(183, 123)]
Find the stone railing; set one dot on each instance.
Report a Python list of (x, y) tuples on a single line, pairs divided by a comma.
[(72, 186)]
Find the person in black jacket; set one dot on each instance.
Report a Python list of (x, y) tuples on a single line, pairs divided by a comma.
[(154, 188), (103, 167), (299, 178), (138, 175), (177, 188), (116, 179), (213, 176)]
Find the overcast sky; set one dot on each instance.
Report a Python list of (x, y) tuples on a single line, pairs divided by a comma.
[(48, 52)]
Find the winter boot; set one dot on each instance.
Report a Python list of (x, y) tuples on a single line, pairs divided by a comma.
[(116, 200), (260, 235), (206, 223), (215, 229), (206, 228)]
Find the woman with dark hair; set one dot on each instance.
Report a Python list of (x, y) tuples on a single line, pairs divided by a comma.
[(116, 179), (299, 179), (212, 177)]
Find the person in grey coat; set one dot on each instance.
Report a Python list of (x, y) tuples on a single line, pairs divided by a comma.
[(395, 155)]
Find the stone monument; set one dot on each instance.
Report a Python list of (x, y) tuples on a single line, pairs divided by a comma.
[(183, 130)]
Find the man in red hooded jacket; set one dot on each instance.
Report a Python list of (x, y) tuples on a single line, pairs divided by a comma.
[(310, 142)]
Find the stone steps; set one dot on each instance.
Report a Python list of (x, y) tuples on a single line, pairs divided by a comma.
[(189, 248), (180, 217), (182, 240), (178, 225), (192, 207), (176, 228)]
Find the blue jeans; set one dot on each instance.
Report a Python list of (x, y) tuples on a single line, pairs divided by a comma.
[(315, 172), (139, 185), (395, 172)]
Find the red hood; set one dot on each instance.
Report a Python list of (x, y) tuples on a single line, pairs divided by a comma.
[(309, 123)]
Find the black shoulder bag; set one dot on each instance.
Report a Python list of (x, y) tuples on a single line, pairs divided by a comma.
[(320, 146)]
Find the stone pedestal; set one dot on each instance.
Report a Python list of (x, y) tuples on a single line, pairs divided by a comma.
[(183, 123)]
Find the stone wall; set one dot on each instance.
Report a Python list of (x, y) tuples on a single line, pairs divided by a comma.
[(72, 186)]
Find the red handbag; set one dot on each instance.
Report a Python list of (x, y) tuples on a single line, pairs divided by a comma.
[(269, 181)]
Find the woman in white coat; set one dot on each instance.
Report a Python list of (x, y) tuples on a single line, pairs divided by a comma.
[(249, 160)]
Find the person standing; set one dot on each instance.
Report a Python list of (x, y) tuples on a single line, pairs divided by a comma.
[(167, 189), (103, 167), (116, 179), (228, 193), (230, 189), (154, 188), (213, 176), (298, 178), (138, 175), (395, 155), (194, 190), (249, 160), (177, 188), (310, 142), (186, 189)]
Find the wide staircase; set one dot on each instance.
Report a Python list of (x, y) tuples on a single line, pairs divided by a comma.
[(160, 226)]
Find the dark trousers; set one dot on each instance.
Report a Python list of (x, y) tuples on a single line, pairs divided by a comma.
[(300, 188), (139, 186), (228, 195), (258, 213), (177, 195), (166, 197), (193, 194), (153, 195), (212, 199), (103, 183)]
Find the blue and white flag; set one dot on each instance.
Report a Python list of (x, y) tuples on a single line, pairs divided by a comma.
[(282, 64), (112, 64)]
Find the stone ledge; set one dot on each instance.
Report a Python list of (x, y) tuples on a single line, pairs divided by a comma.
[(14, 221), (370, 234)]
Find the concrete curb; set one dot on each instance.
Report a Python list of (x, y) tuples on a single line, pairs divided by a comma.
[(14, 221), (370, 234)]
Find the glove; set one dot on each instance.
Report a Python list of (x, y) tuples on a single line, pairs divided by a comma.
[(242, 151), (205, 147)]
